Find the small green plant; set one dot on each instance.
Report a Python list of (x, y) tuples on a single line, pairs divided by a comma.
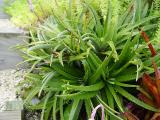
[(82, 59)]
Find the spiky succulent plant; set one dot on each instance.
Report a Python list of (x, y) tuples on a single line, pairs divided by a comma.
[(82, 59)]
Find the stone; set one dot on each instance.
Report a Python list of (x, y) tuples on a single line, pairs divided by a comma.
[(14, 105), (11, 115), (9, 57), (7, 27)]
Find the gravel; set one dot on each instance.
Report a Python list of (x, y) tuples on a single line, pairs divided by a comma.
[(8, 91), (8, 81)]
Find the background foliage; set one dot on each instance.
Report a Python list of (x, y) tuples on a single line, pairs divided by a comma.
[(23, 17)]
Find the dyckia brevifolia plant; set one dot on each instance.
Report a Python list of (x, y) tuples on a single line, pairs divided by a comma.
[(81, 58)]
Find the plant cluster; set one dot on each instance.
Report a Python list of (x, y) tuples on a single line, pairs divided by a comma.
[(88, 53)]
